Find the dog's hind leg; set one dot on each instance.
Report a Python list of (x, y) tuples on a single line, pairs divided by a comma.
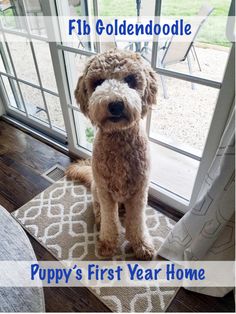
[(136, 229)]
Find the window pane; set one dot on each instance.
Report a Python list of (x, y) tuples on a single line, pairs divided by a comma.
[(35, 18), (77, 8), (183, 119), (54, 108), (34, 102), (2, 65), (172, 171), (5, 64), (117, 8), (74, 7), (44, 62), (75, 65), (210, 44), (84, 130), (22, 58), (14, 15), (133, 12), (8, 86), (10, 10)]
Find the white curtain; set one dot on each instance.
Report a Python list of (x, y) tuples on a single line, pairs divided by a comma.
[(206, 231)]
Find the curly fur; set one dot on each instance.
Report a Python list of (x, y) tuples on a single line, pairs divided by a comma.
[(120, 162), (81, 171)]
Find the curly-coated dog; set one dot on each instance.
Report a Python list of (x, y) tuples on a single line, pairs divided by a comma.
[(115, 92)]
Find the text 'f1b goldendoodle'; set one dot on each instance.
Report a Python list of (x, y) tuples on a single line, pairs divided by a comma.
[(115, 92)]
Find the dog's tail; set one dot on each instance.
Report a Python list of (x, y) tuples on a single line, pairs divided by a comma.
[(81, 171)]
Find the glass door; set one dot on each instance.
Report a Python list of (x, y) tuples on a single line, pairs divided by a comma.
[(190, 82), (189, 86), (189, 78)]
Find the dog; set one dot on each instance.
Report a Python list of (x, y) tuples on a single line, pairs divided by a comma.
[(115, 92)]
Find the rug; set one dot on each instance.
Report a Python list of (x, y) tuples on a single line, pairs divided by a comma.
[(61, 219)]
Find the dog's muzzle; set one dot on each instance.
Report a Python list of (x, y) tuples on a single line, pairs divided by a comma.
[(116, 109)]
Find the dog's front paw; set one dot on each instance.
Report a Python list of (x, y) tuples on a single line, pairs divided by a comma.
[(144, 250), (106, 248)]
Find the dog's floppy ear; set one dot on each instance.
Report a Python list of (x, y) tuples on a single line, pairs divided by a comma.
[(150, 92), (81, 95)]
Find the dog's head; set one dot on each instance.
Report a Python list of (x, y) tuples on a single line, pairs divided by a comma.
[(116, 89)]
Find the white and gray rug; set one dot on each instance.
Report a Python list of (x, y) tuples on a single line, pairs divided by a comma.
[(61, 219)]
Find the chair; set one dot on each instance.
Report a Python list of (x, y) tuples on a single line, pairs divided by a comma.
[(177, 50)]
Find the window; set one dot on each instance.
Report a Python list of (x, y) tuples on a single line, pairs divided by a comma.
[(26, 69), (188, 90), (38, 79)]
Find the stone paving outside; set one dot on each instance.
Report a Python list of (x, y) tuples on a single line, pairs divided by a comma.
[(183, 118)]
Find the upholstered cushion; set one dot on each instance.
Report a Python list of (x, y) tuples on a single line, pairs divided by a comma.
[(15, 246)]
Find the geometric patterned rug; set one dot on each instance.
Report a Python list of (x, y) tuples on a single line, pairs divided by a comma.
[(61, 219)]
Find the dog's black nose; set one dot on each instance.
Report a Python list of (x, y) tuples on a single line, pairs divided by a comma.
[(116, 108)]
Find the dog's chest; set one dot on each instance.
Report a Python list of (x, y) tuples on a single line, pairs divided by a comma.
[(121, 164)]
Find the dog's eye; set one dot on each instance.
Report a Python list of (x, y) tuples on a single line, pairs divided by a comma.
[(130, 80), (97, 83)]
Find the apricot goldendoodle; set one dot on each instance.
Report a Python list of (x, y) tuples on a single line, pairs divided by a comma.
[(115, 92)]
